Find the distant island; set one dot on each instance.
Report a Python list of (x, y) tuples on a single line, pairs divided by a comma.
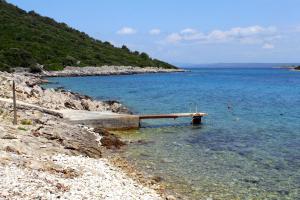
[(29, 40), (291, 67)]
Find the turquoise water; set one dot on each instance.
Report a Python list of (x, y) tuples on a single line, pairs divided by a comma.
[(247, 148)]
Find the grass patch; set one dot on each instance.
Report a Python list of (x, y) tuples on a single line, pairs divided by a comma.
[(22, 128), (26, 122)]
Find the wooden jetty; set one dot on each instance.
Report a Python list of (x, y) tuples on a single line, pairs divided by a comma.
[(196, 117), (114, 121)]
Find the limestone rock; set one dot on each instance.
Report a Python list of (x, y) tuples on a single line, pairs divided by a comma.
[(170, 197), (9, 137), (12, 150)]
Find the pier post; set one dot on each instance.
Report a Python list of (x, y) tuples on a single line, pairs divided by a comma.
[(14, 103), (196, 120)]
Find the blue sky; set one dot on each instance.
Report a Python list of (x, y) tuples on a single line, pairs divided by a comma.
[(186, 31)]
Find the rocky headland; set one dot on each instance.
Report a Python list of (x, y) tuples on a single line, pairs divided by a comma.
[(106, 70), (43, 157)]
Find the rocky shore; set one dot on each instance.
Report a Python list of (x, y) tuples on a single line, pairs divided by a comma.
[(28, 90), (43, 157), (106, 70)]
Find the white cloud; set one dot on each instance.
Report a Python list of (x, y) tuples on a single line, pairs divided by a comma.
[(268, 46), (191, 34), (246, 35), (155, 31), (188, 31), (173, 38), (126, 31)]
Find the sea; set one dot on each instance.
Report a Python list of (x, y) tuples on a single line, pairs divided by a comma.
[(248, 147)]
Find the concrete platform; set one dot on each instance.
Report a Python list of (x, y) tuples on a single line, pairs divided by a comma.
[(108, 120)]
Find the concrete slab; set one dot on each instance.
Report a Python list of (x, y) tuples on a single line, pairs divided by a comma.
[(108, 120)]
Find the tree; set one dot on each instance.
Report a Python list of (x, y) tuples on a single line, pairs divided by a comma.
[(5, 67), (144, 56), (69, 61), (124, 47), (18, 57), (35, 69)]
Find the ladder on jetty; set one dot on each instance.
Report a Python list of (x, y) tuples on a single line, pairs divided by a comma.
[(196, 117)]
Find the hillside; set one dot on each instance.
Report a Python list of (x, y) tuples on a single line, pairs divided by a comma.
[(26, 38)]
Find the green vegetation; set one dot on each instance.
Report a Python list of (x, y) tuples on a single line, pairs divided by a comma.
[(26, 122), (26, 38), (22, 128)]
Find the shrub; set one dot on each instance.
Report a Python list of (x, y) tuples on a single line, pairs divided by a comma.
[(54, 67), (35, 69), (26, 122), (144, 56), (18, 57), (5, 67), (69, 61), (124, 47)]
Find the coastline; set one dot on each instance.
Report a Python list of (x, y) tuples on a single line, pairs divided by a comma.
[(44, 145), (106, 71)]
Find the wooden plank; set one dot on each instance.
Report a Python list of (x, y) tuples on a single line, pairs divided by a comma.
[(27, 106), (173, 115)]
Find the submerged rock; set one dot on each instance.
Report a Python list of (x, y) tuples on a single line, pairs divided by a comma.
[(112, 142), (253, 180), (108, 139), (157, 179), (101, 131)]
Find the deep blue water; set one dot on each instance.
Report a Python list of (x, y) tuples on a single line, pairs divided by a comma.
[(247, 148)]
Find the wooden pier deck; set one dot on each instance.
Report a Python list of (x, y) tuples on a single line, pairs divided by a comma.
[(196, 117), (173, 115)]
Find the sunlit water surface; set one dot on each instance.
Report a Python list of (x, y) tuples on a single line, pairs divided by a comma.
[(247, 148)]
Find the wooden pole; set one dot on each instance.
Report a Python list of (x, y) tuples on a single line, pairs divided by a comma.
[(15, 104)]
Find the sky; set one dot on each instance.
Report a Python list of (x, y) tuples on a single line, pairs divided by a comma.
[(187, 31)]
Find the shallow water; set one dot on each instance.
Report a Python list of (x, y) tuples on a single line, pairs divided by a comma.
[(247, 148)]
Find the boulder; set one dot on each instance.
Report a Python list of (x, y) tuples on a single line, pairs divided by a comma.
[(70, 104), (108, 139)]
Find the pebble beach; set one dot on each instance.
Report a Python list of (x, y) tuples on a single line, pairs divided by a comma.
[(43, 157)]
